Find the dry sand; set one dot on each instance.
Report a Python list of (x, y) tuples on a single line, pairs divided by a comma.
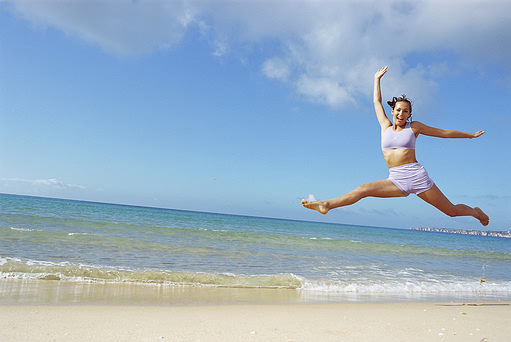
[(272, 322)]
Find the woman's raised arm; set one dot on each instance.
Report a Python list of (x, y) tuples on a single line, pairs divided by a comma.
[(421, 128), (378, 107)]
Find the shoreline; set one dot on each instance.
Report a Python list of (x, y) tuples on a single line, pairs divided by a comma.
[(58, 292), (49, 310), (277, 322)]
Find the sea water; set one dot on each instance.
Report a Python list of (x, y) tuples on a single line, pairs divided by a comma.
[(75, 244)]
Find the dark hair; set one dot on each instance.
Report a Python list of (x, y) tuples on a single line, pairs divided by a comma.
[(402, 98)]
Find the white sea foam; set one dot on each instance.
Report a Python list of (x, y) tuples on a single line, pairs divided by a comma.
[(288, 281), (311, 198), (26, 229), (403, 287), (14, 268)]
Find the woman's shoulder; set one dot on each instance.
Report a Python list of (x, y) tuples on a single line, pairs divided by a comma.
[(420, 128), (416, 125)]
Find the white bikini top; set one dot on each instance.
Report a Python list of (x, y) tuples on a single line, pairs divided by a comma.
[(402, 139)]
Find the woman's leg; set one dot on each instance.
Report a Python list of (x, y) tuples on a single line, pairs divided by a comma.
[(380, 188), (436, 198)]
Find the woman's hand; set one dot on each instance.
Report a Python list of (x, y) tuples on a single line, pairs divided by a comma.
[(380, 73), (477, 134)]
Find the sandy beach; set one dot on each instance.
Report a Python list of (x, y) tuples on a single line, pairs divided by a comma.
[(273, 322)]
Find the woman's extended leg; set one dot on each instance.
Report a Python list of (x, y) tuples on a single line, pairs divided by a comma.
[(380, 188), (436, 198)]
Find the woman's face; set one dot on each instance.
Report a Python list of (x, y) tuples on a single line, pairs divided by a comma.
[(401, 113)]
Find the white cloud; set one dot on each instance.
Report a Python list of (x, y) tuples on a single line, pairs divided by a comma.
[(124, 27), (276, 68), (323, 90), (325, 50), (45, 187), (55, 183)]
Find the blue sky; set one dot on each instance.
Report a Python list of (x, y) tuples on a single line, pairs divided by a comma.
[(245, 107)]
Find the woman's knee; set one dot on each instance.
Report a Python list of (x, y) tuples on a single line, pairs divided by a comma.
[(451, 211), (363, 190)]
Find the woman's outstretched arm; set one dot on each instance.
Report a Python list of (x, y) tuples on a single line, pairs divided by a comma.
[(378, 107), (420, 128)]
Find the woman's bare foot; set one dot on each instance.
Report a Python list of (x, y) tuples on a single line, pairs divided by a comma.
[(320, 206), (482, 216)]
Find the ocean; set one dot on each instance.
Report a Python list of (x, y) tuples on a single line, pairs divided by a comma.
[(54, 250)]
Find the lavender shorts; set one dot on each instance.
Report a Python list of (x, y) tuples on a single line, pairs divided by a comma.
[(411, 178)]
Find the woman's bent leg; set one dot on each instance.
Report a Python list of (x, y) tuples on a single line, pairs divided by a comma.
[(436, 198), (381, 188)]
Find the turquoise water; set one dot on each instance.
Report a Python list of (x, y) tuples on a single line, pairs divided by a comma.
[(66, 241)]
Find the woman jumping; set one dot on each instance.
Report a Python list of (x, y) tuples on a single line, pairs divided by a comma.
[(406, 175)]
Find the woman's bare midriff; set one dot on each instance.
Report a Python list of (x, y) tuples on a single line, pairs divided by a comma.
[(399, 156)]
